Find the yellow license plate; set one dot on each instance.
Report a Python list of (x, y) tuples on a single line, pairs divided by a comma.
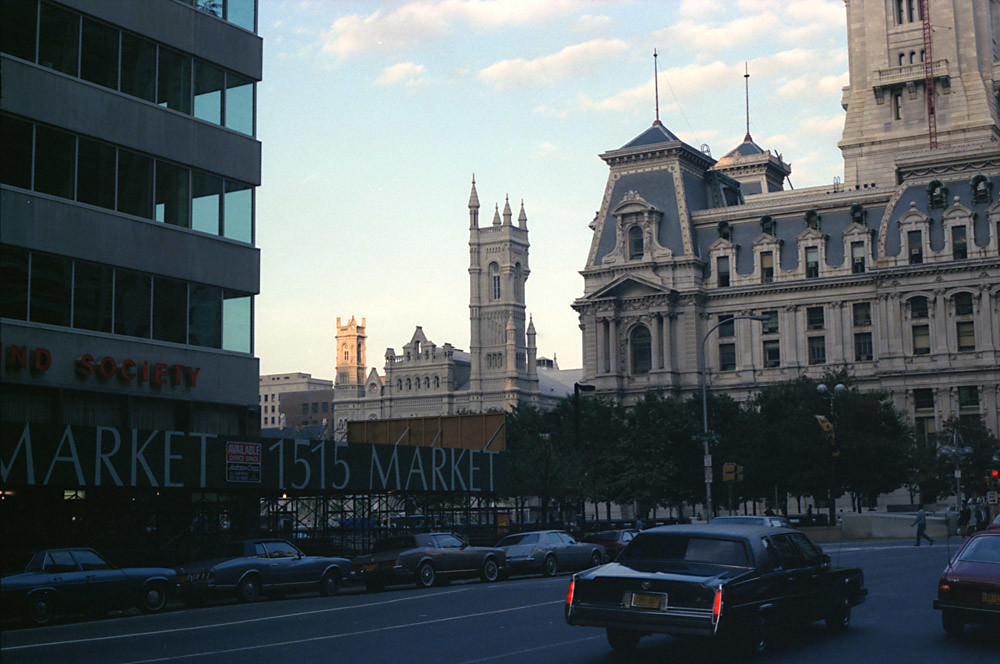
[(991, 598), (648, 601)]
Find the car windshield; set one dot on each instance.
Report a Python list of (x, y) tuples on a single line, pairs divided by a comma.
[(685, 548), (395, 543), (982, 550), (605, 536), (520, 538)]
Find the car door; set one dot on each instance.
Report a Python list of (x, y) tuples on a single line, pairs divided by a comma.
[(281, 565), (64, 574), (577, 554), (454, 556), (814, 576), (791, 581), (105, 585)]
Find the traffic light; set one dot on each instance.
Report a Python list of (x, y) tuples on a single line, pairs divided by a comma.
[(831, 437), (729, 472), (992, 477)]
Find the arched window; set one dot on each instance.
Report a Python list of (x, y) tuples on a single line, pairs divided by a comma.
[(858, 214), (518, 283), (641, 349), (408, 384), (767, 225), (981, 189), (437, 382), (937, 194), (635, 249), (813, 219), (725, 230), (494, 272), (427, 382)]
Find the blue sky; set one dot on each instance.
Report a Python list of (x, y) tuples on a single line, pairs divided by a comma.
[(374, 116)]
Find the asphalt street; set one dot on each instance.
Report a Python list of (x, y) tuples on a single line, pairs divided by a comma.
[(515, 621)]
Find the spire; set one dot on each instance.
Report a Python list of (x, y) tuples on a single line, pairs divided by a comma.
[(522, 218), (506, 212), (531, 331), (656, 88), (474, 205), (746, 84), (496, 215)]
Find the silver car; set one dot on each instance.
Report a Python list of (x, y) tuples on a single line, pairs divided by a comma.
[(549, 551)]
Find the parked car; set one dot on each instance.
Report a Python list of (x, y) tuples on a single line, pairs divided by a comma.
[(755, 520), (721, 581), (426, 559), (612, 541), (548, 551), (969, 588), (80, 580), (256, 567)]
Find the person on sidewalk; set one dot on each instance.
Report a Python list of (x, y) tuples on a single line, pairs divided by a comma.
[(920, 521)]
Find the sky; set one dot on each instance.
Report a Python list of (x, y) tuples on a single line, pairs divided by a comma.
[(375, 116)]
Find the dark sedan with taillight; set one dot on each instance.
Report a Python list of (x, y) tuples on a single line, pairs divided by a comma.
[(548, 551), (737, 582), (969, 588), (426, 559)]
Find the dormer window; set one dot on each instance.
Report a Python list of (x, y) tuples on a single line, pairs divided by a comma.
[(858, 214), (981, 189), (766, 267), (937, 194), (857, 257), (725, 230), (959, 243), (914, 241), (722, 266), (768, 225), (635, 248), (812, 262), (812, 219)]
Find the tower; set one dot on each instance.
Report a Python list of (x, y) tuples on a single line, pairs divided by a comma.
[(498, 269), (899, 50), (351, 353)]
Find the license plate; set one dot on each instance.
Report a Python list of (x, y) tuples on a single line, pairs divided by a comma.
[(991, 598), (370, 568), (656, 601)]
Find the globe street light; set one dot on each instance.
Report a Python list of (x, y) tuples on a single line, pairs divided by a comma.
[(704, 407)]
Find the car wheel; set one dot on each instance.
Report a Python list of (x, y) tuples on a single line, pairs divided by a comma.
[(41, 609), (248, 590), (425, 576), (550, 566), (759, 635), (596, 559), (840, 617), (490, 571), (153, 598), (329, 584), (623, 640), (953, 625)]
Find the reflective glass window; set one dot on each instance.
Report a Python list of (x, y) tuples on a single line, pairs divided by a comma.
[(51, 285), (174, 81), (169, 310), (58, 39), (132, 291), (13, 282), (99, 55), (206, 198), (92, 290), (208, 84), (236, 324), (54, 159), (213, 7), (205, 316), (239, 211), (239, 103), (95, 175), (17, 29), (138, 68), (15, 167), (172, 194), (135, 184), (241, 13)]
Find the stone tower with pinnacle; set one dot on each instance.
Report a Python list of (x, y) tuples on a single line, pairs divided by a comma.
[(351, 363)]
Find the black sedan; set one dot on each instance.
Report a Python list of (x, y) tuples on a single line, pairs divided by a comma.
[(969, 588), (80, 580), (548, 551), (719, 581), (426, 559), (252, 568)]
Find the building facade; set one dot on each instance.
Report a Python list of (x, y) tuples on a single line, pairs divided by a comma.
[(127, 259), (894, 276), (281, 398)]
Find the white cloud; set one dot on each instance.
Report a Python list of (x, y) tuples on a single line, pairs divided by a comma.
[(697, 36), (398, 73), (809, 85), (547, 69), (548, 148), (591, 23)]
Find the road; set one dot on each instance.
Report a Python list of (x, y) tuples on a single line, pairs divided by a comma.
[(516, 621)]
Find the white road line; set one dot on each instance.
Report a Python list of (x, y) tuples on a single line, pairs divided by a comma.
[(527, 650), (248, 621)]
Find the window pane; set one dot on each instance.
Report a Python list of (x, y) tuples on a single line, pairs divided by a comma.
[(815, 318), (138, 67), (15, 167), (236, 326), (54, 157), (921, 339), (171, 194), (132, 303), (862, 314), (208, 83), (174, 89), (17, 29), (205, 316), (206, 192), (959, 243), (99, 55), (966, 331), (723, 264), (968, 396), (241, 12), (918, 307), (772, 353), (239, 211), (95, 181), (239, 103), (727, 357), (92, 289), (963, 304), (213, 7), (863, 346), (923, 398), (817, 350), (770, 326), (51, 285), (58, 39), (169, 310), (727, 326), (13, 282), (641, 350), (135, 184)]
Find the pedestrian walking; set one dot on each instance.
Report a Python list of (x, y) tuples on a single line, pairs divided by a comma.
[(982, 518), (963, 519), (920, 521)]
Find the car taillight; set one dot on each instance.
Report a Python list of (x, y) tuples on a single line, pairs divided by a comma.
[(717, 607), (569, 593)]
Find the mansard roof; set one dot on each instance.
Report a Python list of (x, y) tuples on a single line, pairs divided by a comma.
[(655, 134)]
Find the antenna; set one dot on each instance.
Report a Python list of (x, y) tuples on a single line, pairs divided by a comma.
[(746, 85), (656, 88)]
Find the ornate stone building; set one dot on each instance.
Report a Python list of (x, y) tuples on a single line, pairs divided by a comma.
[(894, 277)]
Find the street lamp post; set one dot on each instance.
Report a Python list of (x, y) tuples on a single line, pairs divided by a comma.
[(831, 395), (956, 452), (577, 388), (704, 408)]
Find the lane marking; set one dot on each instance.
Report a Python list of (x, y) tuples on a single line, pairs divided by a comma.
[(528, 650)]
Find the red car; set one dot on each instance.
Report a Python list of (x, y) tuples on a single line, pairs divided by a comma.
[(969, 588), (613, 540)]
